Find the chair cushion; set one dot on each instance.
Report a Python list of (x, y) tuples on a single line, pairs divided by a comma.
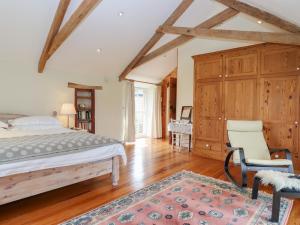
[(253, 143), (274, 162), (279, 180), (249, 136)]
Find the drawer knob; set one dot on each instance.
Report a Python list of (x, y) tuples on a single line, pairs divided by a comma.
[(226, 75), (220, 118), (296, 122), (298, 68), (207, 145), (220, 75)]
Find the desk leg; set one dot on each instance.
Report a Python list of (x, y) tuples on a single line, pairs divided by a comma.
[(172, 138), (190, 142)]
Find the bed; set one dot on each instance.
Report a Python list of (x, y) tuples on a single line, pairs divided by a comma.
[(39, 160)]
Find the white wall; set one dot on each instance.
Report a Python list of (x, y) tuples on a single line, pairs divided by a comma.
[(24, 91), (185, 75)]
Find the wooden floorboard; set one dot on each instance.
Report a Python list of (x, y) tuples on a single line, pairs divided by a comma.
[(148, 161)]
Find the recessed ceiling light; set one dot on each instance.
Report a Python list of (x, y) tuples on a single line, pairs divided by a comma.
[(99, 50), (121, 13), (259, 21)]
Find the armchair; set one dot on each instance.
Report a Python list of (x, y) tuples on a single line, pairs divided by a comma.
[(248, 149)]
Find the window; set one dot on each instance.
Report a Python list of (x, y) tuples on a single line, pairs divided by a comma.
[(140, 112)]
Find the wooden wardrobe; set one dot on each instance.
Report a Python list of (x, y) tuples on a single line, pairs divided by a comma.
[(260, 82)]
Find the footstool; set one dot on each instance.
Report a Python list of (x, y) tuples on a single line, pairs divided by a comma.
[(283, 184)]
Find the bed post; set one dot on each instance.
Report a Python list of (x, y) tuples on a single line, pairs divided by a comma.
[(115, 170)]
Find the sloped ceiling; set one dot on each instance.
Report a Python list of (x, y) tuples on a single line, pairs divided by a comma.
[(25, 24)]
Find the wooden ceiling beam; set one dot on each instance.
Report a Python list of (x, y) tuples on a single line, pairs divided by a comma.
[(281, 38), (83, 86), (57, 21), (210, 23), (76, 18), (261, 14), (156, 37), (234, 8)]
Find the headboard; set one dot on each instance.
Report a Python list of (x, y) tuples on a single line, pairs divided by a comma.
[(4, 117)]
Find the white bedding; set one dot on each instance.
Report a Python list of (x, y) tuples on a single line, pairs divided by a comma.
[(92, 155)]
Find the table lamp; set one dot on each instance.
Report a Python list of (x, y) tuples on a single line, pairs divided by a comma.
[(68, 109)]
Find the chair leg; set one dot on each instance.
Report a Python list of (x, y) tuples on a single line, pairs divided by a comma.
[(227, 172), (174, 140), (291, 169), (275, 206), (255, 188), (244, 175)]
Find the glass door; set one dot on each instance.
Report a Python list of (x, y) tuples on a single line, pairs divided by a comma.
[(140, 112)]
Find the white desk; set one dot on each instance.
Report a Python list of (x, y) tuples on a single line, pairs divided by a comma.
[(180, 128)]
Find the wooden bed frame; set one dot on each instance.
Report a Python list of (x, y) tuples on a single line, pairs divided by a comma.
[(23, 185)]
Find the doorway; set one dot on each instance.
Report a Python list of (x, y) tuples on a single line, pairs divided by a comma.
[(168, 104)]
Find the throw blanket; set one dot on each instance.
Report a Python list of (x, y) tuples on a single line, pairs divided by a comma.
[(40, 146), (279, 180)]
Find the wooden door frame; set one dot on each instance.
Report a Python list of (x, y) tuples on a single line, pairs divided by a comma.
[(164, 86)]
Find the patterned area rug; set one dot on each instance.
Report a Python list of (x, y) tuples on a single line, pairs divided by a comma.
[(187, 198)]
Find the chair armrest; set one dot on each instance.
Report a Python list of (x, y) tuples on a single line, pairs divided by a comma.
[(285, 150), (233, 149)]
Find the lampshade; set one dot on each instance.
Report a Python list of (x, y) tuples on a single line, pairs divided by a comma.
[(68, 109)]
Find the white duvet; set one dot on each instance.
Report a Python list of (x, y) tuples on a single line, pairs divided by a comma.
[(92, 155)]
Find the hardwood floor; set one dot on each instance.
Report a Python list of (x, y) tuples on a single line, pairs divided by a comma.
[(148, 162)]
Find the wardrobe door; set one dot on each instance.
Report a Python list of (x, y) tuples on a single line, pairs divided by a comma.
[(280, 59), (241, 63), (279, 111), (208, 67), (207, 121), (240, 101)]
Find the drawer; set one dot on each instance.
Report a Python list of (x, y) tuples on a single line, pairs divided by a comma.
[(208, 145)]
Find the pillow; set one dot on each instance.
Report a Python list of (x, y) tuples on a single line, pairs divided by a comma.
[(34, 121), (3, 125), (35, 127)]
